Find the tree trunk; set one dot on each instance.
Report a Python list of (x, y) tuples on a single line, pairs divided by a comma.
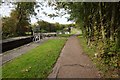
[(112, 30), (101, 21)]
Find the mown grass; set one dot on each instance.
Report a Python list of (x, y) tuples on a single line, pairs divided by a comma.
[(37, 63)]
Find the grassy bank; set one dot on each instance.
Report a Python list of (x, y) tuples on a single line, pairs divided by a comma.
[(90, 52), (87, 50), (37, 63), (104, 69)]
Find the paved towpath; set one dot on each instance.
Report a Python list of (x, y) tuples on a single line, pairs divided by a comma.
[(73, 63)]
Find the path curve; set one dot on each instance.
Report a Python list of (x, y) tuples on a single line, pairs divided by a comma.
[(73, 63)]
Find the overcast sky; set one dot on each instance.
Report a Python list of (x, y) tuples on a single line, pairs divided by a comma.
[(5, 11)]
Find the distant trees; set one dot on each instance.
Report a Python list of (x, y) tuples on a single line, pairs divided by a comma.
[(51, 27), (19, 21), (100, 25)]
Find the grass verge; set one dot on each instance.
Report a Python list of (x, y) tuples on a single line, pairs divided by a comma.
[(37, 63), (103, 69), (90, 52), (86, 49)]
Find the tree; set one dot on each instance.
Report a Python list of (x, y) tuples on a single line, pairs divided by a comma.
[(24, 10), (8, 27)]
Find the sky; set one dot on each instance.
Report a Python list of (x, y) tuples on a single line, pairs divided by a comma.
[(5, 10)]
